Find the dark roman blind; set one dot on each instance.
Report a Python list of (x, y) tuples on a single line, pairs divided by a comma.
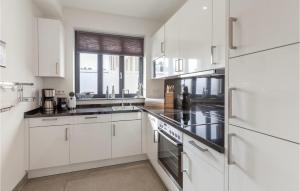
[(109, 44)]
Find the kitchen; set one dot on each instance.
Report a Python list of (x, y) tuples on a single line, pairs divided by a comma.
[(149, 95)]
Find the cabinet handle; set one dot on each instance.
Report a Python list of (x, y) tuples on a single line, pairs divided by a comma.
[(231, 21), (56, 69), (183, 170), (198, 147), (180, 63), (212, 55), (230, 112), (155, 137), (114, 130), (91, 117), (176, 65), (230, 136), (51, 119), (162, 49), (66, 134)]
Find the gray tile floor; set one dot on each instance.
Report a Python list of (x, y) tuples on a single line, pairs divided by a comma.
[(138, 176)]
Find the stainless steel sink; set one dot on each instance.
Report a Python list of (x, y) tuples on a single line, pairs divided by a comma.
[(124, 108)]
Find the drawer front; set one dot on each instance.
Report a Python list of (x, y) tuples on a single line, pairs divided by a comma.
[(210, 156), (50, 121), (126, 116), (93, 118)]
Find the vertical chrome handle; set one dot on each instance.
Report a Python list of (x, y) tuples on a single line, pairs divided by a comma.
[(114, 130), (162, 47), (230, 91), (66, 134), (121, 76), (176, 65), (56, 69), (155, 140), (183, 170), (180, 62), (212, 54), (231, 21), (230, 136)]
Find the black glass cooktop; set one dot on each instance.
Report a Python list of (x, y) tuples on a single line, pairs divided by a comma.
[(204, 121), (196, 115)]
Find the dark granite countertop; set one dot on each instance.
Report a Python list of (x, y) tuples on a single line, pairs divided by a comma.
[(78, 111), (211, 134)]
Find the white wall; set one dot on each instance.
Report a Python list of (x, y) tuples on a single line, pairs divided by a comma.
[(99, 22), (17, 30)]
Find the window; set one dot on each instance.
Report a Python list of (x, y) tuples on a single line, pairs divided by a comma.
[(108, 61)]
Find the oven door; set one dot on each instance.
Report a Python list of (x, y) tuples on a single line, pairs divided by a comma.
[(169, 156)]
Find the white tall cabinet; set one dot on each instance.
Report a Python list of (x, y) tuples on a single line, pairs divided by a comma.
[(50, 48), (262, 163), (263, 24), (264, 90)]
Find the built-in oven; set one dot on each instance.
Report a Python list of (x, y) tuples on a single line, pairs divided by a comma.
[(169, 152)]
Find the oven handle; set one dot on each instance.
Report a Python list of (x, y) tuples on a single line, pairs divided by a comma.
[(169, 139)]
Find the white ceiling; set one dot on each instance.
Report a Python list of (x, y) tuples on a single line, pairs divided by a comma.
[(146, 9)]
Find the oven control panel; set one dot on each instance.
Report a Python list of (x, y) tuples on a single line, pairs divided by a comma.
[(172, 131)]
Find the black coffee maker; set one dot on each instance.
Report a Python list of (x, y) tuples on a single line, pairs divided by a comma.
[(62, 104)]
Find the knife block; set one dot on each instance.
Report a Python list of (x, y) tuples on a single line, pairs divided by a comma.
[(169, 100)]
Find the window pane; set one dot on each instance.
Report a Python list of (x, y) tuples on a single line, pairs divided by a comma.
[(111, 71), (88, 73), (131, 73)]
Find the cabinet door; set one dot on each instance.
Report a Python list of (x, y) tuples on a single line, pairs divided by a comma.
[(198, 174), (262, 163), (263, 24), (152, 140), (90, 142), (265, 97), (195, 35), (49, 146), (158, 41), (50, 37), (172, 45), (218, 47), (126, 138)]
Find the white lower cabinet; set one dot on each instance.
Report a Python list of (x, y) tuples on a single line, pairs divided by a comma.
[(90, 142), (62, 141), (126, 138), (152, 140), (49, 146), (262, 163), (202, 169)]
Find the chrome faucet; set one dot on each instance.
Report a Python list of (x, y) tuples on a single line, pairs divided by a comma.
[(123, 93)]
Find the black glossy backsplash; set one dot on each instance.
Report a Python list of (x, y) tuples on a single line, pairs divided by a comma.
[(197, 90)]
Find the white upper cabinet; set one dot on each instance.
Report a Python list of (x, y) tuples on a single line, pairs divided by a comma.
[(218, 46), (194, 39), (195, 35), (172, 52), (264, 91), (126, 138), (50, 48), (158, 43), (90, 142), (262, 163), (263, 24)]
